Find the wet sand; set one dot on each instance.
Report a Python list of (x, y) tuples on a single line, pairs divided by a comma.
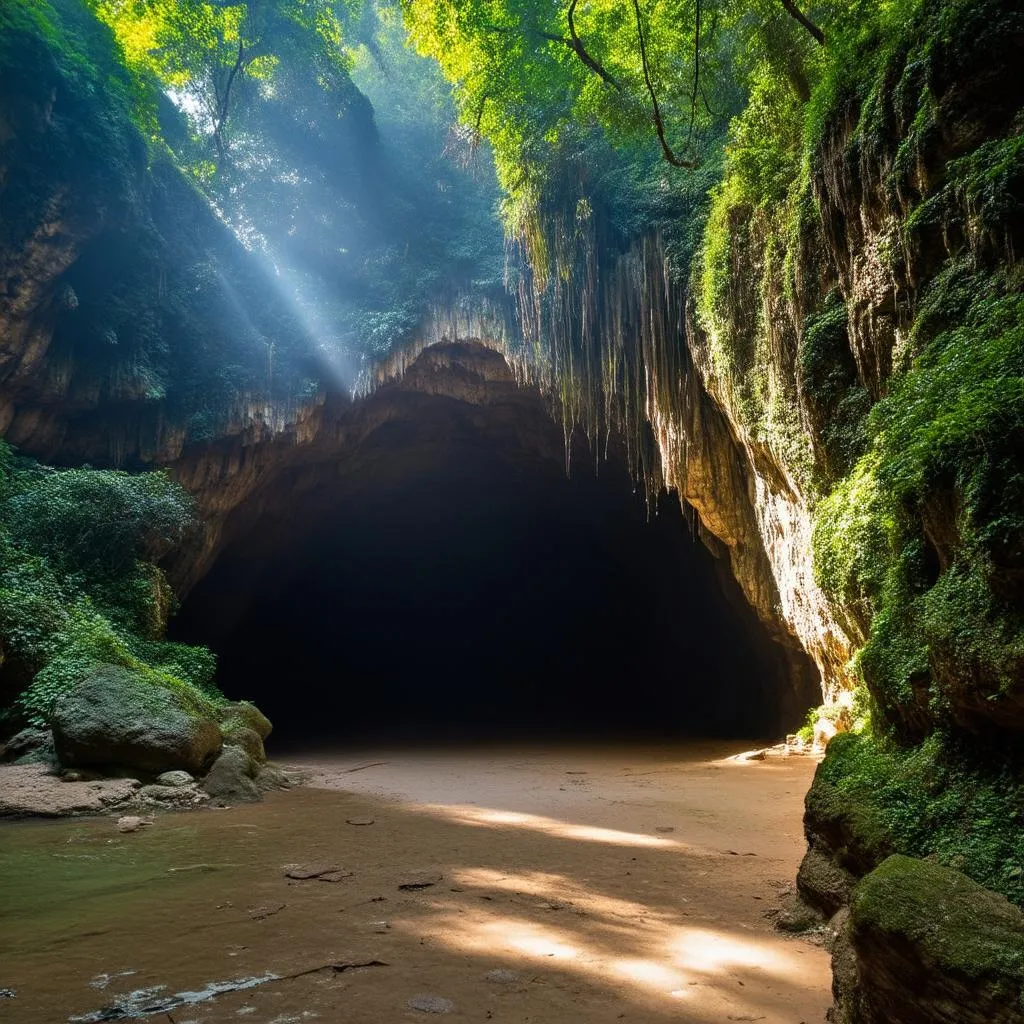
[(564, 884)]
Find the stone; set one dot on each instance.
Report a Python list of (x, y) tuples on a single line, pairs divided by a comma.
[(249, 740), (172, 796), (431, 1004), (797, 917), (28, 746), (131, 823), (231, 779), (271, 777), (501, 976), (116, 718), (845, 829), (36, 790), (751, 755), (243, 715), (178, 778), (417, 882), (823, 883), (924, 943)]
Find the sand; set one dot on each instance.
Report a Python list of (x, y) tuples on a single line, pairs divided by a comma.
[(564, 884)]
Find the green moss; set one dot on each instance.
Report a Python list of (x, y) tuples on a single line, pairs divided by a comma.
[(830, 386), (952, 923), (962, 805), (922, 530)]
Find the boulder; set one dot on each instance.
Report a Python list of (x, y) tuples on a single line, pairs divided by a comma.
[(30, 746), (796, 917), (249, 740), (924, 944), (178, 778), (243, 715), (117, 718), (823, 883), (232, 778)]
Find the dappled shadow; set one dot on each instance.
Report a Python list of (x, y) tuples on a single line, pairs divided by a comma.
[(485, 817), (586, 923)]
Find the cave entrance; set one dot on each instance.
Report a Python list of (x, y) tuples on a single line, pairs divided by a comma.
[(448, 581)]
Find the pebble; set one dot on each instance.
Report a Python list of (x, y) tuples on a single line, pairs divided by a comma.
[(419, 882), (431, 1004), (501, 976), (752, 755), (131, 823)]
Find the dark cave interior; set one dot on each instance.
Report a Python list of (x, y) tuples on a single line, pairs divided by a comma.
[(462, 592)]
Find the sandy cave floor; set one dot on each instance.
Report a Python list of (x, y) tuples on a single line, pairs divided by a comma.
[(560, 884)]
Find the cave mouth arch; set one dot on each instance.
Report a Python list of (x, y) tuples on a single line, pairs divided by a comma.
[(444, 579)]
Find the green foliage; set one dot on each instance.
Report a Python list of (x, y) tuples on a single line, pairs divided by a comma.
[(79, 587), (830, 386), (99, 523), (921, 531), (964, 807)]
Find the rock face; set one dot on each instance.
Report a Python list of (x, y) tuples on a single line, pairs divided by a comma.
[(923, 944), (844, 843), (115, 719)]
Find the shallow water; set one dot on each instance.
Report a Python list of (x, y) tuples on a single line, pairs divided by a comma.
[(607, 885)]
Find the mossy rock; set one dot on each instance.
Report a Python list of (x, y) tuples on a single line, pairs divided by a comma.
[(843, 825), (244, 715), (117, 718), (232, 778), (931, 945), (823, 883), (248, 740)]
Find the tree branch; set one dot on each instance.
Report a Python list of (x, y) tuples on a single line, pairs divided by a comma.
[(222, 113), (659, 124), (576, 45), (794, 12), (696, 76)]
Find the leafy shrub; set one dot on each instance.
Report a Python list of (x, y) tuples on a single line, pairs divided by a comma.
[(99, 523), (79, 586)]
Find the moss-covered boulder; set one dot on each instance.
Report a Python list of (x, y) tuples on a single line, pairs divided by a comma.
[(926, 945), (118, 718), (846, 838), (232, 778), (249, 741), (243, 715)]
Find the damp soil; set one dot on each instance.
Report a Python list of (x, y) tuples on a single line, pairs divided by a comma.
[(548, 885)]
